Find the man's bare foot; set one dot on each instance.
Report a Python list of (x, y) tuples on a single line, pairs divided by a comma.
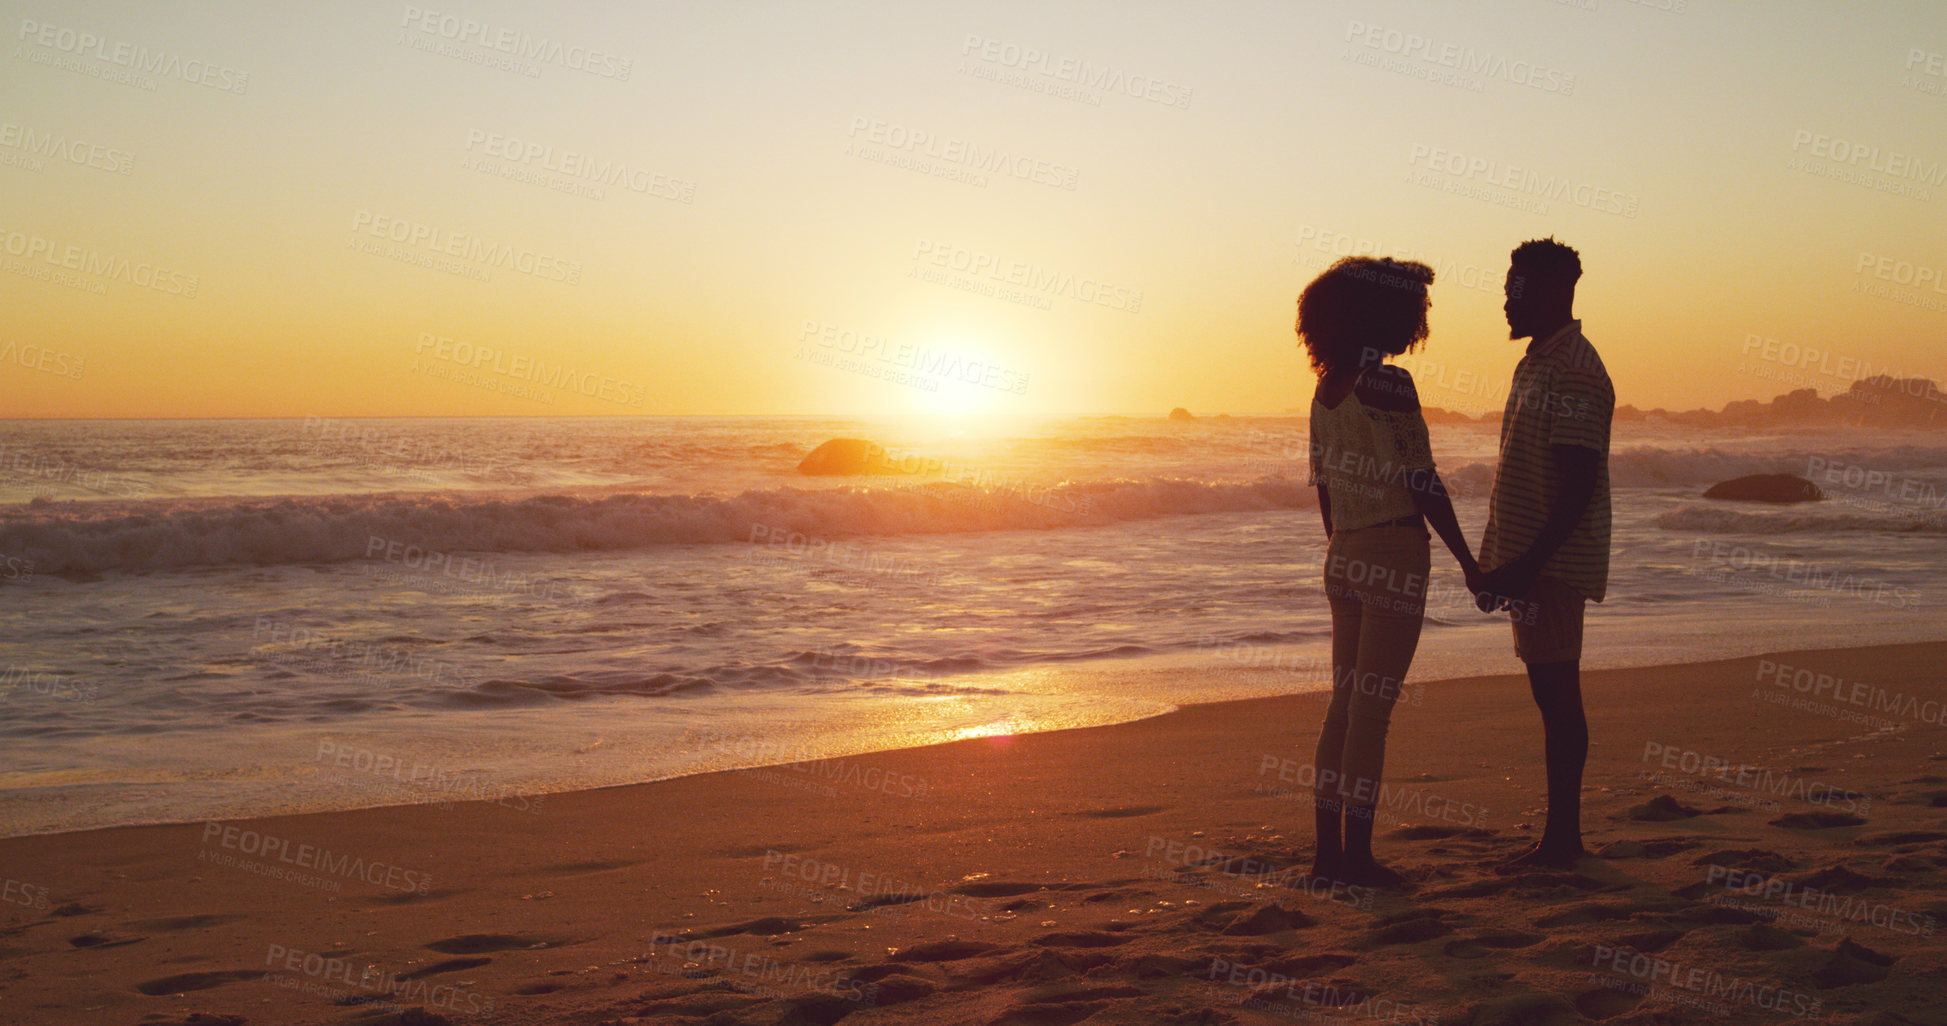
[(1547, 854), (1367, 873)]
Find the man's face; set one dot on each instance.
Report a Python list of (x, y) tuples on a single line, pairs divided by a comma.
[(1519, 305)]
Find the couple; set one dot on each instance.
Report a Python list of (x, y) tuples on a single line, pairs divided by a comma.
[(1544, 555)]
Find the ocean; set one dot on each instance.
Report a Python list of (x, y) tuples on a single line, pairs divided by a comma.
[(214, 619)]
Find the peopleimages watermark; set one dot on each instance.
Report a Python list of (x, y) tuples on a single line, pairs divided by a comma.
[(358, 982), (1826, 911), (564, 170), (290, 857), (463, 38), (1068, 78), (1758, 571), (567, 377), (756, 973), (60, 687), (455, 573), (1882, 491), (86, 53), (814, 772), (16, 568), (419, 779), (1266, 657), (1447, 63), (779, 541), (868, 890), (35, 357), (1807, 365), (1304, 780), (925, 362), (1925, 70), (1016, 281), (1260, 988), (1693, 985), (410, 454), (1864, 164), (1757, 780), (26, 895), (32, 148), (1452, 171), (312, 651), (1779, 680), (1250, 877), (983, 490), (37, 256), (456, 253), (20, 464), (950, 156), (1897, 280)]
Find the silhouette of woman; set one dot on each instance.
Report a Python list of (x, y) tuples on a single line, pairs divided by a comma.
[(1377, 492)]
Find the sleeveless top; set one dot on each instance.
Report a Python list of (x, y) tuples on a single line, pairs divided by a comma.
[(1367, 459)]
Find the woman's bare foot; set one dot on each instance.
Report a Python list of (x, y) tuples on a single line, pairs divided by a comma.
[(1547, 854)]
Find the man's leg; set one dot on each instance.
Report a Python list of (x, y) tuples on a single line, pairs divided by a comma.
[(1548, 638), (1557, 688)]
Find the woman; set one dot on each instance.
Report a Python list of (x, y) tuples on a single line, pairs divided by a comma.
[(1377, 492)]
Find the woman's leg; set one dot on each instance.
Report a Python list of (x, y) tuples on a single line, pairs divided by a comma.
[(1328, 798), (1389, 635)]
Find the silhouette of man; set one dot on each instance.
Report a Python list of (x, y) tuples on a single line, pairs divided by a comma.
[(1547, 539)]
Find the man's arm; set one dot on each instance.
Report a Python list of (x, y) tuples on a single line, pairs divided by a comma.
[(1577, 465)]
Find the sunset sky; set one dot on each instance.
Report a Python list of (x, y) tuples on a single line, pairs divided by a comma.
[(382, 209)]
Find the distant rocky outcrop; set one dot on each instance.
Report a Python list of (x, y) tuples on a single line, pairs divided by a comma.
[(1181, 414), (843, 456), (1878, 401), (1766, 488)]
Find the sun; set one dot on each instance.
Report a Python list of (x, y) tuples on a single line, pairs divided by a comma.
[(958, 380)]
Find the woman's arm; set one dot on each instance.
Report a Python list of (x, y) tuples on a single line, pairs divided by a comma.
[(1391, 389), (1325, 508)]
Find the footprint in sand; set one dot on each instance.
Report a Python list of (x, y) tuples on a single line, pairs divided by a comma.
[(1483, 945), (1604, 1003), (1850, 964), (1759, 859), (1080, 939), (1125, 812), (996, 889), (184, 922), (1844, 880), (451, 965), (1661, 809), (1816, 820), (1900, 837), (479, 943), (187, 982), (100, 940), (942, 951)]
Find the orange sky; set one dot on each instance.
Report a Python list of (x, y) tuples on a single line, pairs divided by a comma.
[(508, 209)]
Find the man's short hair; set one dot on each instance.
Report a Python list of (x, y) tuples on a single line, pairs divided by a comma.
[(1548, 260)]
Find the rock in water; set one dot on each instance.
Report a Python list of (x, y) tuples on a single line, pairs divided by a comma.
[(1766, 488), (848, 456), (1181, 414)]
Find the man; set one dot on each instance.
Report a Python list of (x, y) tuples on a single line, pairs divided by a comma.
[(1547, 540)]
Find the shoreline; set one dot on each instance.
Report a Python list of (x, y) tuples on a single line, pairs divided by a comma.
[(1135, 872)]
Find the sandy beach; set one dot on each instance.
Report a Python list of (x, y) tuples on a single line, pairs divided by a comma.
[(1771, 837)]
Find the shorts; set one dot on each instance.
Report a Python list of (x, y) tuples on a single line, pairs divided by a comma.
[(1548, 622)]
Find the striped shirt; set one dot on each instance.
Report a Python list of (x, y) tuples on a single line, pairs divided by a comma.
[(1561, 396)]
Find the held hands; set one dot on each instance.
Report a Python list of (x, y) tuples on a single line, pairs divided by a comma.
[(1503, 586)]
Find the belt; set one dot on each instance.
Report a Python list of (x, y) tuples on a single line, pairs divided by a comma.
[(1412, 520)]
